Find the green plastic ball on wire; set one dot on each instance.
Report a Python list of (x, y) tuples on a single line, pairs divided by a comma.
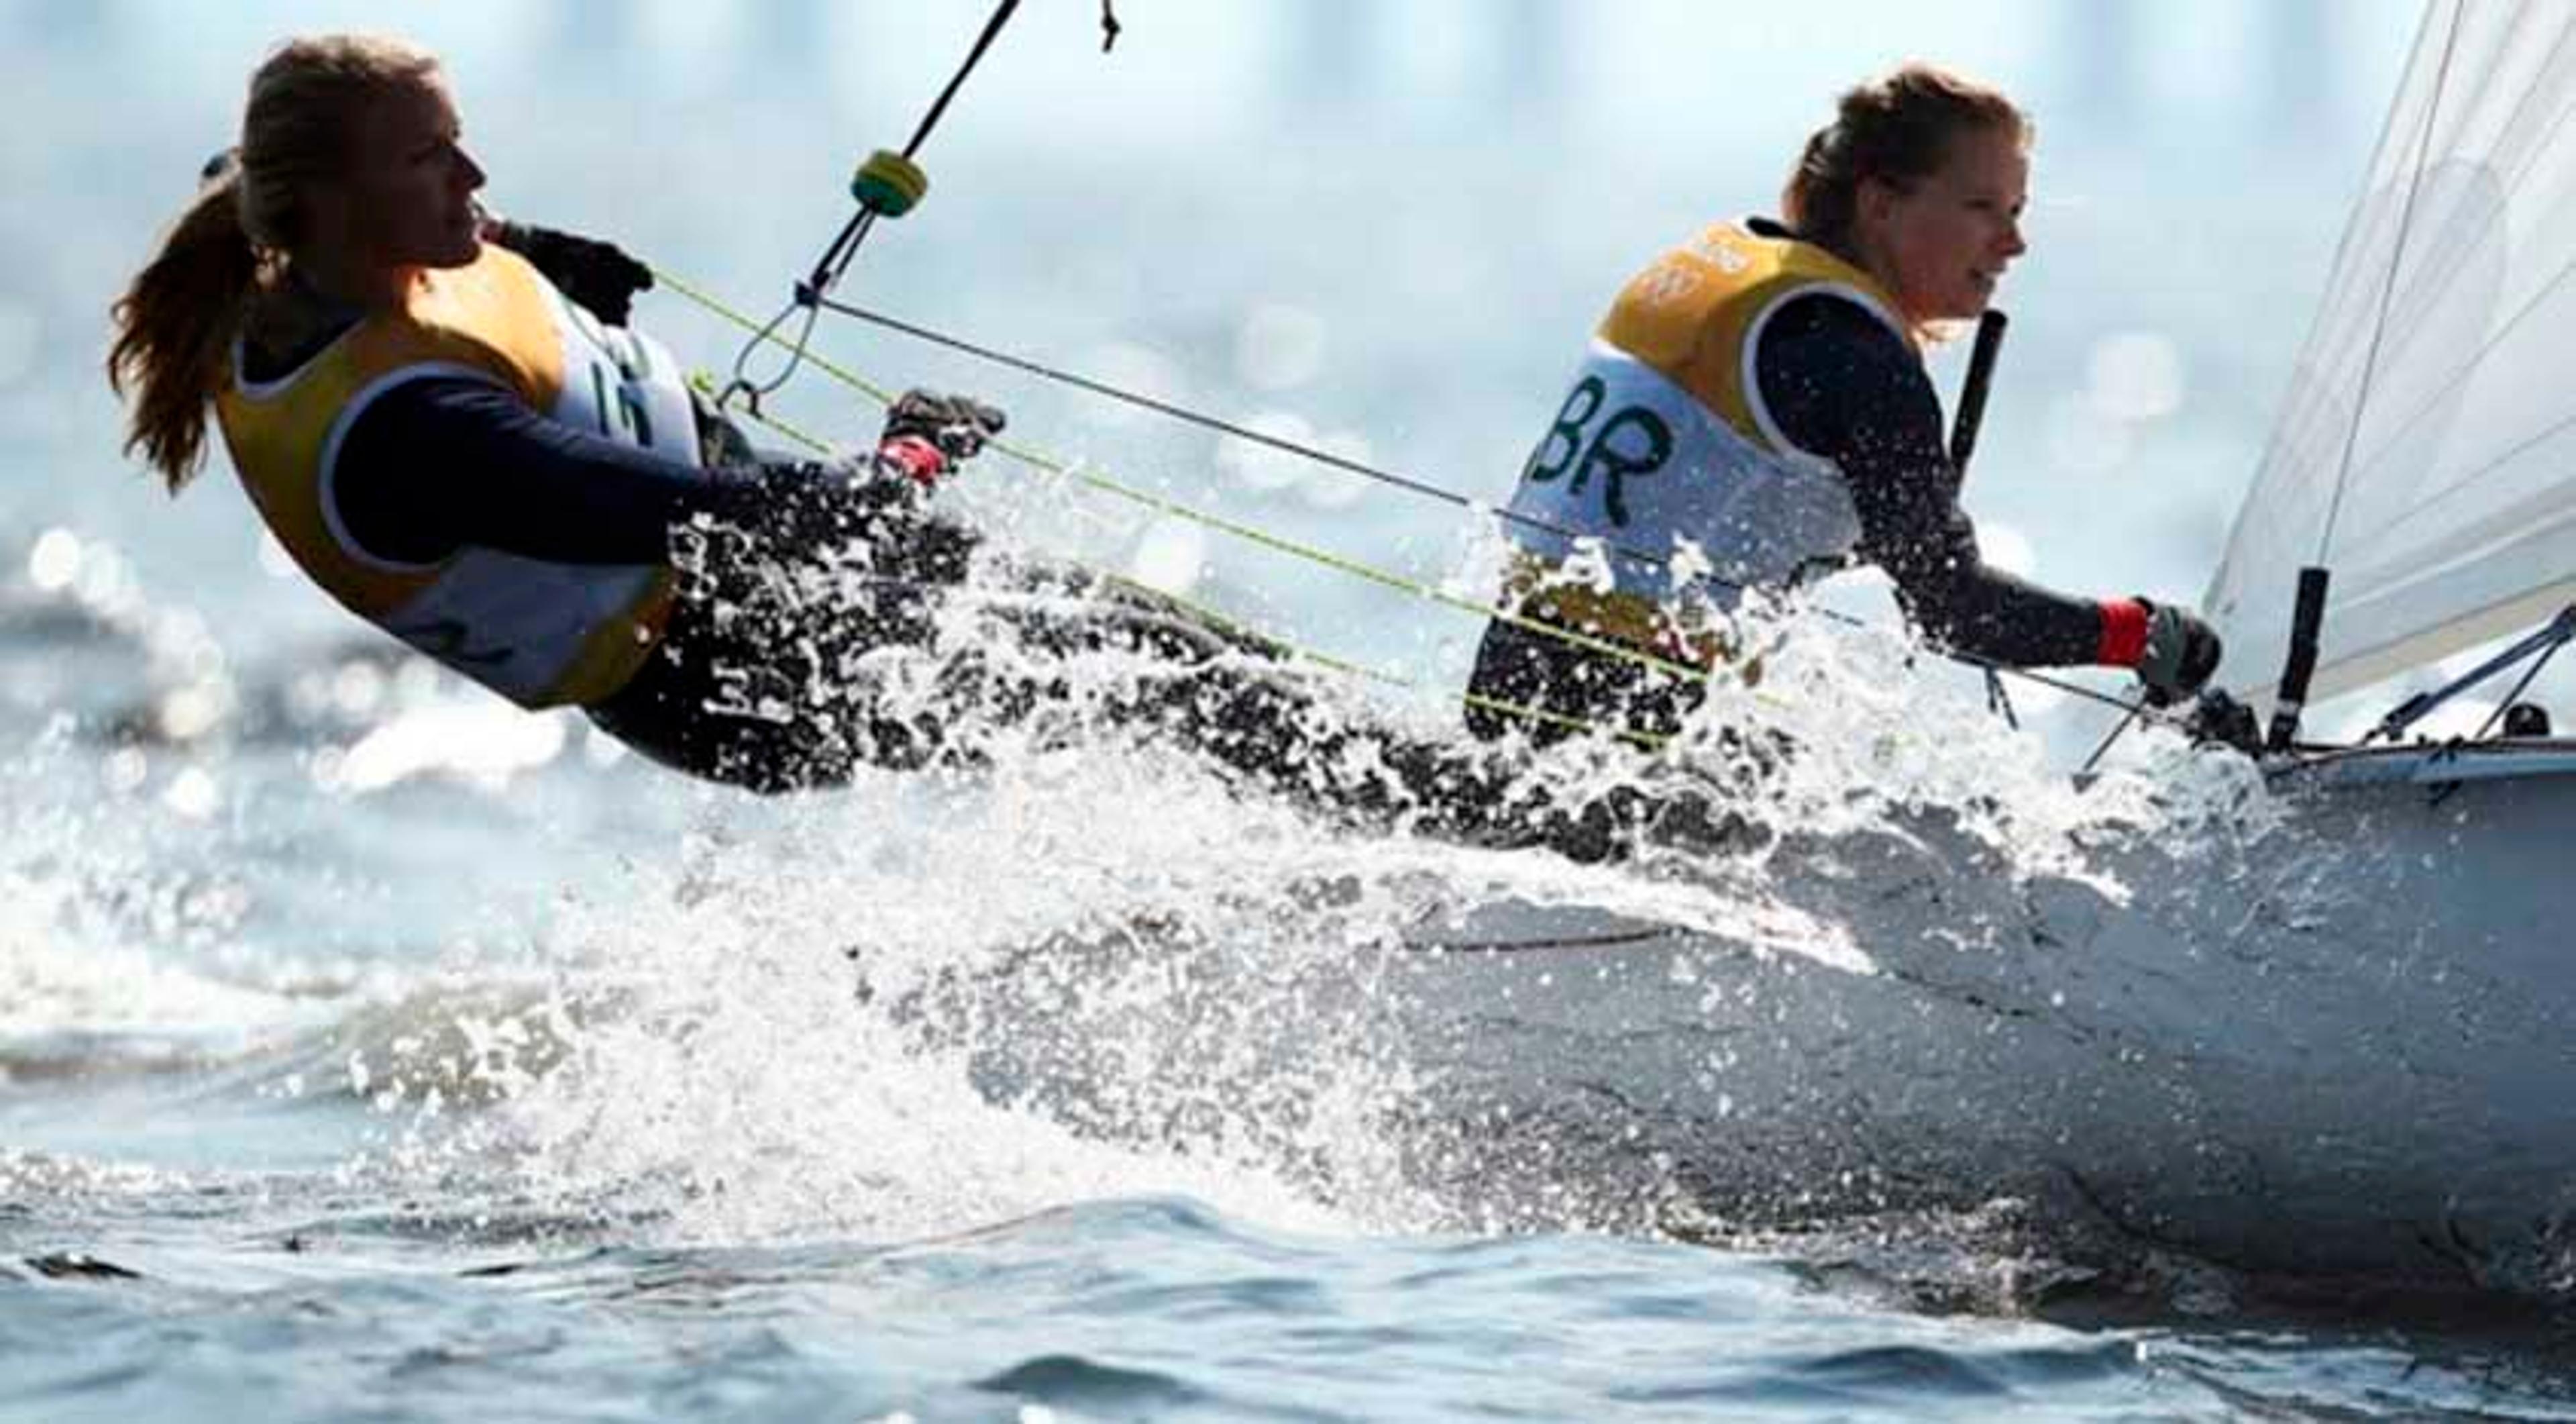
[(889, 184)]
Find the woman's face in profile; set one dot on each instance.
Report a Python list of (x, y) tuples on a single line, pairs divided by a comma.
[(410, 199), (1941, 244)]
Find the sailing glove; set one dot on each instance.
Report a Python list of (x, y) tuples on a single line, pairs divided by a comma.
[(2179, 655), (927, 434), (800, 511), (599, 276)]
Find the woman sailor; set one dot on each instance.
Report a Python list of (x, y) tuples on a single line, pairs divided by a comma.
[(1755, 408), (462, 444), (465, 446)]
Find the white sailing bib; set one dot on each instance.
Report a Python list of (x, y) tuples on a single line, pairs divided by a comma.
[(1682, 505)]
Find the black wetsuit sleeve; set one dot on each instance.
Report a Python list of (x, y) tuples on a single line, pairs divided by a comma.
[(441, 462), (1841, 385)]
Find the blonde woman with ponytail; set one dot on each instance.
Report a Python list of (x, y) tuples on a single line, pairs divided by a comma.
[(448, 423), (1758, 396), (453, 428)]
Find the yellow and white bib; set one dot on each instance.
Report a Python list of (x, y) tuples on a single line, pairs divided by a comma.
[(1665, 453), (539, 633)]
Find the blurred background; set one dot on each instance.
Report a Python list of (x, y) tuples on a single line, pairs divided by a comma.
[(1385, 229)]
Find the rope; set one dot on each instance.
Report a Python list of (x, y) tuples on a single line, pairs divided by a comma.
[(844, 248), (814, 295), (1277, 543), (1187, 416), (1029, 366), (1323, 558), (1651, 741)]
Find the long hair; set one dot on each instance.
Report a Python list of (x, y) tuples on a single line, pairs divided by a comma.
[(178, 319), (1896, 129)]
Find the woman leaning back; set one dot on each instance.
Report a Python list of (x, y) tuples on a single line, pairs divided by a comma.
[(449, 425), (1758, 395), (462, 443)]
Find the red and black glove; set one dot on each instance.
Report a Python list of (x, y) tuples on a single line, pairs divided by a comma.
[(913, 458), (2173, 652), (927, 434)]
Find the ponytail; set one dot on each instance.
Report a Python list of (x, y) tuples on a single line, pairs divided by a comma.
[(175, 327), (177, 322)]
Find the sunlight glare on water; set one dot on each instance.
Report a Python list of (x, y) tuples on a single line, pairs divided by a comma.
[(371, 1048)]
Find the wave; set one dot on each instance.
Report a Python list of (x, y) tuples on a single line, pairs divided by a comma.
[(1094, 966)]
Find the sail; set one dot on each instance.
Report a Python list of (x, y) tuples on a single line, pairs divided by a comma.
[(2426, 450)]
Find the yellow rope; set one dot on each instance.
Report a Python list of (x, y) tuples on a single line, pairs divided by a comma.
[(1250, 534), (1215, 618)]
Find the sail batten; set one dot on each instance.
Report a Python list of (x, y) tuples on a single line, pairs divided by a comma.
[(2426, 450)]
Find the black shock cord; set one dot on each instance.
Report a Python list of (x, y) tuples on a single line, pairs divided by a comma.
[(844, 249)]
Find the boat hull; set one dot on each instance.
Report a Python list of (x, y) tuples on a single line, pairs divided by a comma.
[(2344, 1046)]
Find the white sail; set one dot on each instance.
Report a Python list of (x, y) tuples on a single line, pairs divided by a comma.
[(2426, 451)]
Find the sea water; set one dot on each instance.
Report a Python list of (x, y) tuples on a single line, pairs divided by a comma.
[(369, 1050), (566, 1092)]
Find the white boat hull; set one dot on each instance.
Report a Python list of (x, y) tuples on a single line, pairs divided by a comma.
[(2348, 1048)]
